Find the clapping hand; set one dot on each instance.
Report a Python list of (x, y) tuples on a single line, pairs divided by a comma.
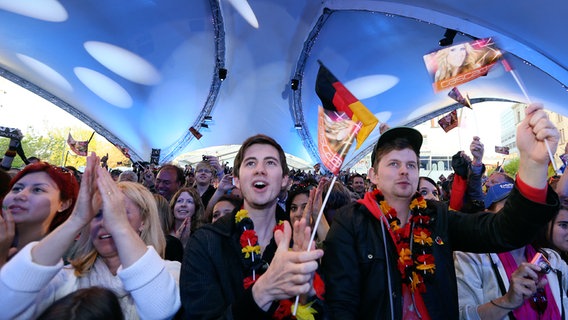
[(311, 212), (289, 274), (85, 208), (114, 212)]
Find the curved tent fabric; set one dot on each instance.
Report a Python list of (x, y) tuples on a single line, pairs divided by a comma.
[(142, 73)]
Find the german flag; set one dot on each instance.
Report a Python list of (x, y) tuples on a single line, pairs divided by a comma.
[(335, 97)]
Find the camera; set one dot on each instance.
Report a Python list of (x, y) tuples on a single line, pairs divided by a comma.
[(205, 158), (542, 262)]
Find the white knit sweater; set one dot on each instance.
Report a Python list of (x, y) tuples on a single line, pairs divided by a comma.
[(148, 289)]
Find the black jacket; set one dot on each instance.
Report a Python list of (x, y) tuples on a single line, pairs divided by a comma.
[(212, 273), (354, 265)]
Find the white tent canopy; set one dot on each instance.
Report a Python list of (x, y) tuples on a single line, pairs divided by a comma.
[(141, 73)]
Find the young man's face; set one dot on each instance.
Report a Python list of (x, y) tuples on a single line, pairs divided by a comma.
[(397, 174), (260, 177), (203, 175), (560, 231)]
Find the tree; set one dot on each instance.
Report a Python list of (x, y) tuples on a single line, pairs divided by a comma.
[(511, 167), (52, 147)]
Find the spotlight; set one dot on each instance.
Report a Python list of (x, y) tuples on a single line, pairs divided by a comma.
[(222, 74), (208, 118), (294, 83), (298, 126), (204, 125), (448, 38)]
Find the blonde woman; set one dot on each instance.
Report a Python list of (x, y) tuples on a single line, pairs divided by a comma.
[(455, 60), (120, 248)]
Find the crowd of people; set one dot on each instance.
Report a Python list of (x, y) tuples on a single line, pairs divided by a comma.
[(211, 241)]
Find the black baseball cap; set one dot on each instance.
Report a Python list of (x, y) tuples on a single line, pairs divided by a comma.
[(413, 136)]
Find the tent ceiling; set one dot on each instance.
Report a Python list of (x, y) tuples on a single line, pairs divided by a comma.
[(142, 72)]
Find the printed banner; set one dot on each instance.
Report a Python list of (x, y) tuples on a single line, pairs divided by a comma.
[(336, 132), (80, 148), (195, 133), (12, 133), (456, 95), (461, 63), (335, 97), (155, 156), (449, 121), (502, 150)]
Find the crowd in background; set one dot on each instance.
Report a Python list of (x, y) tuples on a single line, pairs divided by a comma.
[(77, 239)]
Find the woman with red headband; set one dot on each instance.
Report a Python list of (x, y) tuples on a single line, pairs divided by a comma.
[(41, 197)]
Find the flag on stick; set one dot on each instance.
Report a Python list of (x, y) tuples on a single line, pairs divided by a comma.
[(342, 118), (449, 121), (552, 170), (80, 148), (502, 150), (456, 95), (155, 156), (195, 133), (335, 136), (521, 85), (336, 98), (461, 63)]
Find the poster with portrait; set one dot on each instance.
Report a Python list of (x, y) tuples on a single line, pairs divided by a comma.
[(502, 150), (336, 132), (80, 148), (449, 121), (461, 63), (335, 97), (456, 95)]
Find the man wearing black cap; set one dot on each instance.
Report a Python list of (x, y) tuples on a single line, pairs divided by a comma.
[(389, 255)]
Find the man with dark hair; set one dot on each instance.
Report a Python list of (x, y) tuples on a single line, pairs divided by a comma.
[(169, 180), (33, 160), (239, 267), (389, 256), (358, 185), (115, 173)]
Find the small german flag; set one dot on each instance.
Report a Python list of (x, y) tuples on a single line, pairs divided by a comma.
[(335, 97)]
